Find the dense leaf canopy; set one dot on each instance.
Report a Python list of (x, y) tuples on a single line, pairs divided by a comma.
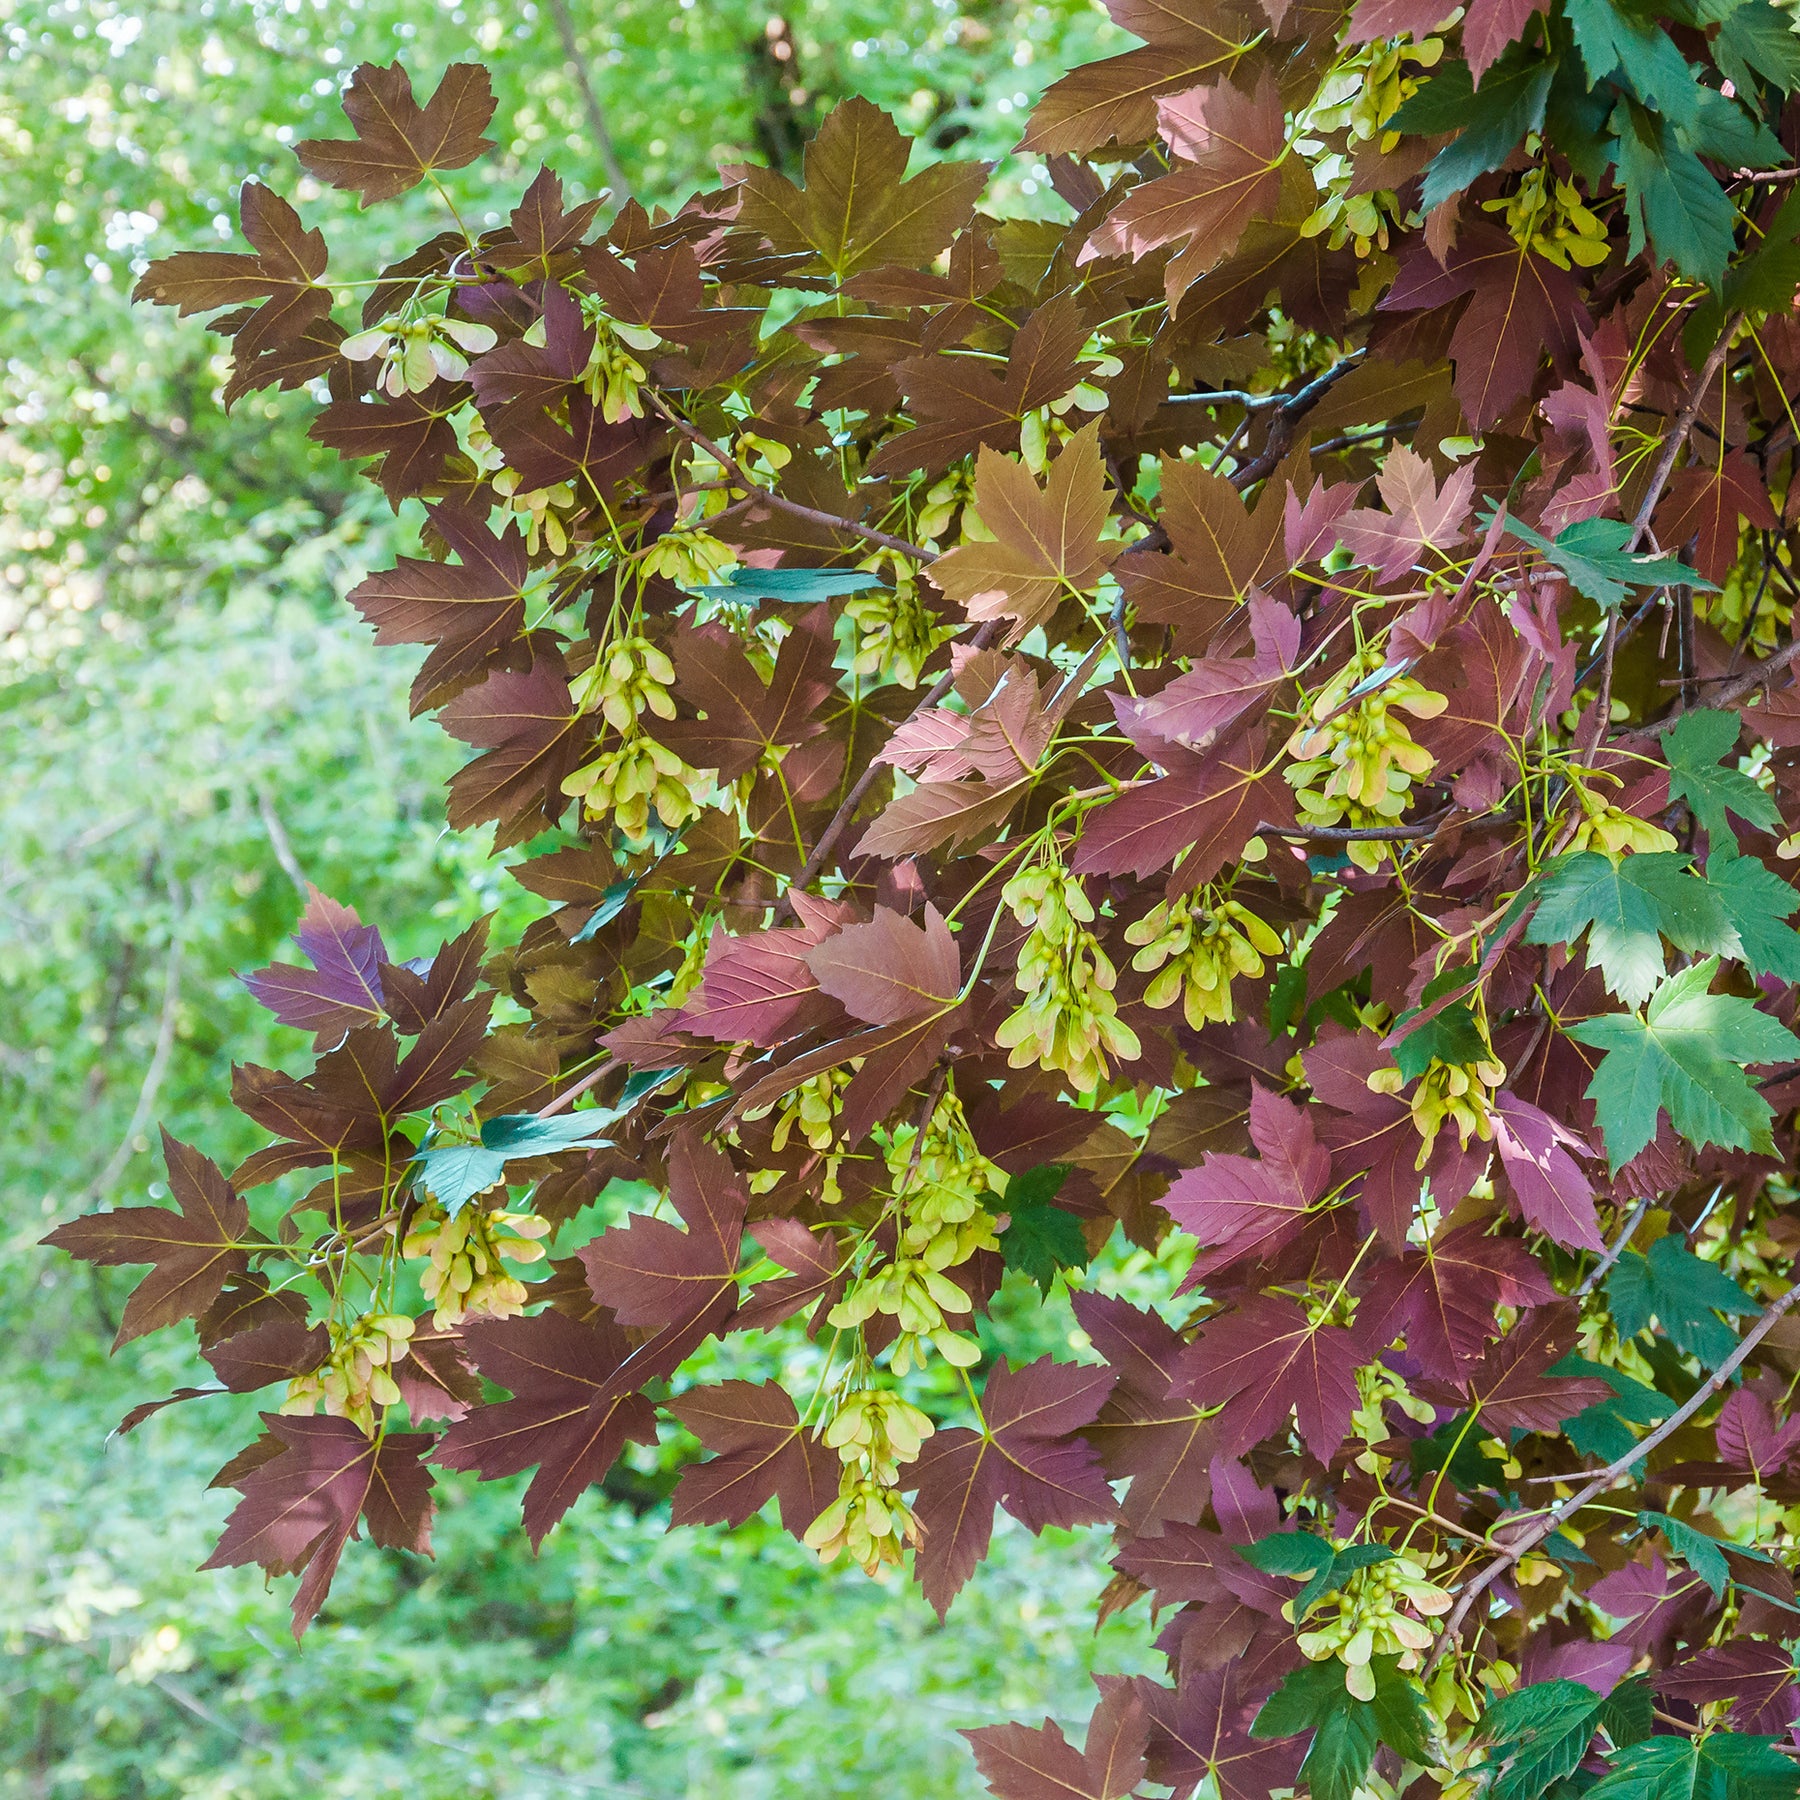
[(1334, 576)]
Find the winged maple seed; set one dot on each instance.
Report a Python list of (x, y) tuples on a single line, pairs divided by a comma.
[(1333, 574)]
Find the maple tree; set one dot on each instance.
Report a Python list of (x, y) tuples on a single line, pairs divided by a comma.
[(1339, 578)]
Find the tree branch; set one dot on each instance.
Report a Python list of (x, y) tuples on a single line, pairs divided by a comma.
[(726, 460), (590, 102), (1535, 1533)]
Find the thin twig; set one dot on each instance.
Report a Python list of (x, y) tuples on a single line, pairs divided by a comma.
[(726, 460), (103, 1184), (590, 101), (1615, 1250), (842, 817), (570, 1095), (1287, 419), (1534, 1534), (279, 841)]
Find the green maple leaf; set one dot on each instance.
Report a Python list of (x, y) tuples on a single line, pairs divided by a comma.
[(1686, 1055), (1491, 119), (1729, 1765), (453, 1174), (1539, 1735), (1756, 39), (1627, 908), (1695, 748), (1592, 554), (1756, 901), (1302, 1554), (1675, 1286), (1346, 1730), (1671, 198), (1041, 1239), (1604, 1429)]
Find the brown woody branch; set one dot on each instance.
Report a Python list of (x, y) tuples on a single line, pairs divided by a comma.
[(841, 818), (1534, 1534), (1293, 409), (590, 102), (794, 508)]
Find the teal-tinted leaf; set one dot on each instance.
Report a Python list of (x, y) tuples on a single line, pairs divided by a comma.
[(1671, 198), (1344, 1728), (1627, 908), (1540, 1734), (1491, 120), (613, 901), (1040, 1239), (453, 1174), (1575, 121), (1300, 1554), (1695, 748), (1400, 1716), (1041, 1242), (1592, 554), (1721, 129), (1636, 53), (1628, 1713), (1459, 1454), (1686, 1055), (1683, 1293), (1604, 1429), (1293, 1553), (1702, 1553), (1451, 1037), (1287, 997), (1725, 1766), (1756, 901), (1757, 39), (1343, 1747), (789, 586), (1036, 1186)]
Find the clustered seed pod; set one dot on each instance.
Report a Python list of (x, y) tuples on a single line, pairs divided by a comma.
[(953, 490), (1460, 1094), (873, 1431), (1546, 215), (614, 377), (1357, 761), (465, 1276), (629, 677), (355, 1378), (415, 352), (1357, 99), (1370, 1620), (1199, 947), (629, 779), (1615, 834), (895, 631), (1376, 1385), (942, 1183), (688, 556), (1069, 1020)]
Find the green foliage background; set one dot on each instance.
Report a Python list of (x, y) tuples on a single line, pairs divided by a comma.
[(190, 724)]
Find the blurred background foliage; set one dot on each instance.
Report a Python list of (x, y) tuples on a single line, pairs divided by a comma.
[(191, 726)]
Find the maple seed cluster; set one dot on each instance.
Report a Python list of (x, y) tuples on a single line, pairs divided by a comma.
[(416, 351), (873, 1431), (895, 631), (465, 1275), (1069, 1020), (356, 1378), (1357, 761), (1457, 1094), (638, 774), (1199, 943), (1610, 831), (1371, 1621)]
